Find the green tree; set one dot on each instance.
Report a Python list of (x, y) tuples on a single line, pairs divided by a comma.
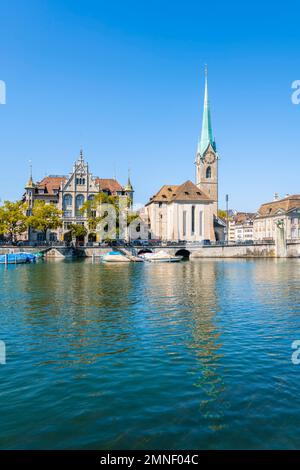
[(13, 219), (92, 206), (78, 230), (44, 217), (222, 214)]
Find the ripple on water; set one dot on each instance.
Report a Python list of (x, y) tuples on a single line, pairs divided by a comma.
[(195, 355)]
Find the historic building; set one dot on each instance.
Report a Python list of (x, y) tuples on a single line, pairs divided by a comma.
[(207, 156), (285, 212), (241, 227), (190, 211), (69, 193), (181, 212)]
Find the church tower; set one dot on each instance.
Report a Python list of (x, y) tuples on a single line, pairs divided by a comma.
[(207, 157)]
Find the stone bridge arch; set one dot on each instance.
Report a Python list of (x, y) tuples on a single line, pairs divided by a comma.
[(183, 252)]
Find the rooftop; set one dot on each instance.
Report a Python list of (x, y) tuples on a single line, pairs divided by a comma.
[(187, 191), (286, 204)]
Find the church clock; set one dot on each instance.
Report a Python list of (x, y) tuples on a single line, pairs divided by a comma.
[(210, 158)]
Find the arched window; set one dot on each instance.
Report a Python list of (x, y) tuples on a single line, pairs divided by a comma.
[(79, 201), (208, 172), (67, 205), (67, 201)]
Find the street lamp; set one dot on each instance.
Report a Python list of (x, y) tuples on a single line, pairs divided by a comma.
[(227, 219)]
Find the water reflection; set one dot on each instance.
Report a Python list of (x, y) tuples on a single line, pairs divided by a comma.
[(191, 295), (150, 355)]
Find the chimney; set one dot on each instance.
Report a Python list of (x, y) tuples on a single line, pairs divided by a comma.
[(276, 197)]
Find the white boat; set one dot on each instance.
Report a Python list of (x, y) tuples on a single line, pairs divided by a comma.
[(115, 257), (161, 257)]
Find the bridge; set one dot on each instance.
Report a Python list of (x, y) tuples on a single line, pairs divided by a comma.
[(256, 249)]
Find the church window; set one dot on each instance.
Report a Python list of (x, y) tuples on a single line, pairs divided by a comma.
[(193, 220), (200, 223), (184, 223), (208, 172)]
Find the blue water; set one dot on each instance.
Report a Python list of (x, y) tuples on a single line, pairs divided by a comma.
[(150, 356)]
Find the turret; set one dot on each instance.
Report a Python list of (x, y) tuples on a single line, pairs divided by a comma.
[(128, 190)]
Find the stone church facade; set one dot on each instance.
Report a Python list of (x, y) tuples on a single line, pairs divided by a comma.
[(68, 194), (189, 212)]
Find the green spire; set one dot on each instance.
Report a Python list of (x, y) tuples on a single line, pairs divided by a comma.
[(30, 183), (206, 133), (128, 186)]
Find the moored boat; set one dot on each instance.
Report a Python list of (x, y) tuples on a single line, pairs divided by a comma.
[(115, 257), (161, 257), (17, 258)]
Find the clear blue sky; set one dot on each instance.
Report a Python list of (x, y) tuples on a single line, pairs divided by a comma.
[(124, 80)]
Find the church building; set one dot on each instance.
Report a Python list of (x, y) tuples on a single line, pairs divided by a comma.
[(189, 212)]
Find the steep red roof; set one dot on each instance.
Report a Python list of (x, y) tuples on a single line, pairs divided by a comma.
[(109, 184), (50, 183), (187, 191)]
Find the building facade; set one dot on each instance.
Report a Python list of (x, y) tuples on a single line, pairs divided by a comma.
[(180, 213), (241, 227), (69, 193), (285, 212)]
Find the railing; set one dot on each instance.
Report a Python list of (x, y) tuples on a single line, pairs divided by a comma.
[(140, 244)]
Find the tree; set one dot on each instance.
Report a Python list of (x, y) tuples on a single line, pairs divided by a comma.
[(222, 214), (78, 230), (13, 219), (91, 208), (44, 217)]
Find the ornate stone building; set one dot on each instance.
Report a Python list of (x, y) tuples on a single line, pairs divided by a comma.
[(69, 193)]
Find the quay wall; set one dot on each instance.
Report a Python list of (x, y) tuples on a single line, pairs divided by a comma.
[(236, 251), (291, 250)]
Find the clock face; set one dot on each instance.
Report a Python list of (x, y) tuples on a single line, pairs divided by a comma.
[(210, 158)]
